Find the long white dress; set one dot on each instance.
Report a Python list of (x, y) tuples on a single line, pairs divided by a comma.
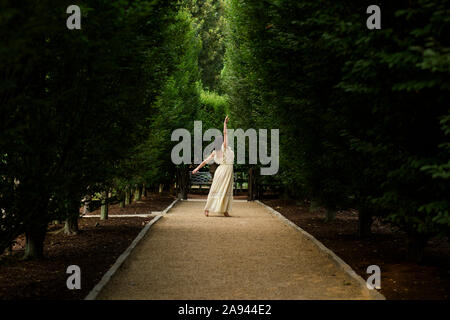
[(220, 195)]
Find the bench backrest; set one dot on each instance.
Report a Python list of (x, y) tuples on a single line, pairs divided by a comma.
[(201, 178), (204, 178)]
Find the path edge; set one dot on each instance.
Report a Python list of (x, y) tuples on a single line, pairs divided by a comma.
[(92, 295), (374, 294)]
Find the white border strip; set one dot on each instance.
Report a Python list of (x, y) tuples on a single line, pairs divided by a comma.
[(107, 276), (139, 215), (338, 261), (204, 200)]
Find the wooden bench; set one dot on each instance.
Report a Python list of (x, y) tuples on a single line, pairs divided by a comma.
[(200, 179), (265, 184), (203, 178)]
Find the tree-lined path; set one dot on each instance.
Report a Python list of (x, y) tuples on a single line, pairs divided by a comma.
[(251, 255), (124, 107)]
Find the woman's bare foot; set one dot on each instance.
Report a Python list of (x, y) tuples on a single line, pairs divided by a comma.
[(226, 214), (206, 213)]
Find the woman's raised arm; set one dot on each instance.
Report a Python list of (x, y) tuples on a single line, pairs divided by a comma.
[(201, 165), (225, 136)]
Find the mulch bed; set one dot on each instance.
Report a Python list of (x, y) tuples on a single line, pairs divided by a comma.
[(386, 248), (94, 250), (153, 202)]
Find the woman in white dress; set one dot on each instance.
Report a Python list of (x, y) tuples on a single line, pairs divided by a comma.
[(220, 194)]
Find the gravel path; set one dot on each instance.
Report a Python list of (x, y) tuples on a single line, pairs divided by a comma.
[(251, 255)]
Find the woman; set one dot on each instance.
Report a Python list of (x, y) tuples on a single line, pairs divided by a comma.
[(220, 194)]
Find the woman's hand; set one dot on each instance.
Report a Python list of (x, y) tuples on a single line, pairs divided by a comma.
[(195, 171), (226, 119)]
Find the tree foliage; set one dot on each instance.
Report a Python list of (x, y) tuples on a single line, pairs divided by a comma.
[(74, 103), (358, 110)]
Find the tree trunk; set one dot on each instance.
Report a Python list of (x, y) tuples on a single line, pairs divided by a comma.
[(87, 200), (183, 182), (284, 195), (72, 215), (251, 186), (104, 209), (330, 215), (144, 190), (122, 199), (71, 226), (161, 188), (138, 194), (313, 206), (415, 247), (364, 223), (127, 196), (34, 248)]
